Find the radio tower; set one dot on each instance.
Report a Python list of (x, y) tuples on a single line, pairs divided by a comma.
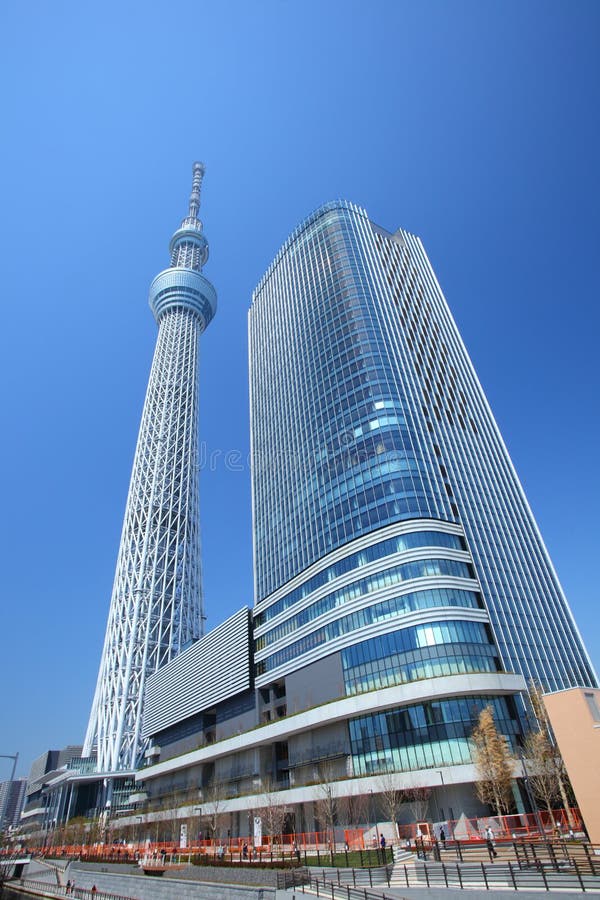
[(156, 605)]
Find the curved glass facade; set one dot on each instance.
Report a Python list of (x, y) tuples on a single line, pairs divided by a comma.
[(424, 651), (424, 635), (425, 735), (333, 444), (423, 568), (397, 544), (396, 606)]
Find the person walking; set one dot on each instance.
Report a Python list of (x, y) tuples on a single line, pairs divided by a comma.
[(489, 840)]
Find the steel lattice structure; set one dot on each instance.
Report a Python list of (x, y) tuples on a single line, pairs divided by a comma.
[(156, 605)]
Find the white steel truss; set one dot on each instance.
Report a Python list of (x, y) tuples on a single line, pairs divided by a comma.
[(156, 605)]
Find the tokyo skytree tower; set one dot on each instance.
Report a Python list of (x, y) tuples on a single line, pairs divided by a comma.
[(156, 605)]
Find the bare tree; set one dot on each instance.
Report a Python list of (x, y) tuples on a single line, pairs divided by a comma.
[(212, 809), (94, 830), (391, 797), (494, 763), (548, 777), (326, 804), (74, 830), (353, 809), (418, 798), (274, 812), (160, 819), (543, 769)]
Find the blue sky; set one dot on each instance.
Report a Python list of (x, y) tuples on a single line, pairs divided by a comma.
[(474, 125)]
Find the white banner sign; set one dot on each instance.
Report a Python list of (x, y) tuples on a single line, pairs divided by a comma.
[(257, 831), (183, 837)]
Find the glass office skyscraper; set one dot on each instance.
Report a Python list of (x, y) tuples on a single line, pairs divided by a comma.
[(389, 523), (401, 584)]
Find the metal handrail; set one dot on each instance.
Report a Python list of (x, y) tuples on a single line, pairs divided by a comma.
[(61, 890)]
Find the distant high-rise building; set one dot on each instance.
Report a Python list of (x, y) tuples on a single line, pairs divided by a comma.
[(48, 795), (12, 798), (389, 523), (156, 606)]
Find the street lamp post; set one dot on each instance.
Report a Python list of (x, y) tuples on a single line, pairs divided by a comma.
[(106, 822), (15, 759), (374, 817), (437, 802), (198, 809)]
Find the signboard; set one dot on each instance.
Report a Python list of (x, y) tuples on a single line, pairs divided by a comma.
[(257, 831), (183, 836)]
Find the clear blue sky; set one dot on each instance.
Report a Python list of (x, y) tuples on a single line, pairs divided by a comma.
[(474, 125)]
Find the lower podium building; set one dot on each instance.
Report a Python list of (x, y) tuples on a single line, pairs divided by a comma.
[(218, 740), (401, 583)]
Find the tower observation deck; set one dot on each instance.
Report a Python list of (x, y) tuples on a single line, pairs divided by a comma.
[(156, 606)]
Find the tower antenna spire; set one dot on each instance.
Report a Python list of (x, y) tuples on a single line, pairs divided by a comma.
[(153, 616), (198, 170)]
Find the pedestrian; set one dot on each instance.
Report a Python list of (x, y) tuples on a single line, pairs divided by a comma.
[(382, 841), (68, 887), (94, 889), (443, 837), (489, 839), (245, 851)]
